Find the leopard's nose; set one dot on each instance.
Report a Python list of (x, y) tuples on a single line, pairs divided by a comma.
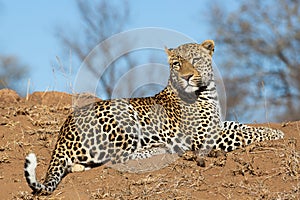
[(187, 77)]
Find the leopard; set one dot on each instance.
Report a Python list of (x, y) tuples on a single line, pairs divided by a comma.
[(184, 116), (233, 134)]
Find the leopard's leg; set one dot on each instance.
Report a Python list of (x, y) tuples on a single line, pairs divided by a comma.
[(139, 153), (260, 133), (79, 168), (148, 152), (236, 135)]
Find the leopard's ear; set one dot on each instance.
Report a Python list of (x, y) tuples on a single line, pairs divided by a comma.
[(168, 52), (209, 45)]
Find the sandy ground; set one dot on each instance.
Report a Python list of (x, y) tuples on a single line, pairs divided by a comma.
[(268, 170)]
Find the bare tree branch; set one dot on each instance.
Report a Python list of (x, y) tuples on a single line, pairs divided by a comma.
[(101, 20), (261, 40)]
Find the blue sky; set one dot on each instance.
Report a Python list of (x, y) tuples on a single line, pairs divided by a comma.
[(28, 31)]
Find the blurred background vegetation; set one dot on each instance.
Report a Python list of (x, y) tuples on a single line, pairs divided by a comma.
[(260, 43), (257, 47)]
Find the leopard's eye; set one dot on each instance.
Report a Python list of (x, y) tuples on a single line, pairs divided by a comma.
[(176, 63), (176, 66)]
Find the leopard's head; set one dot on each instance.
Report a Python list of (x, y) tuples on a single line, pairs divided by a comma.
[(200, 56), (184, 77)]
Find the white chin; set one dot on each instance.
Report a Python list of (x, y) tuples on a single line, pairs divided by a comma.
[(190, 89)]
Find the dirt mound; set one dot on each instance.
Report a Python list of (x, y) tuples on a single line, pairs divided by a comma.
[(51, 98), (7, 95), (268, 170)]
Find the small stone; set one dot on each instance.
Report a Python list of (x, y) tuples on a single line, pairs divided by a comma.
[(200, 162)]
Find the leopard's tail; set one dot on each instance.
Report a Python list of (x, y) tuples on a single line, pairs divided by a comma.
[(29, 169), (56, 171)]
